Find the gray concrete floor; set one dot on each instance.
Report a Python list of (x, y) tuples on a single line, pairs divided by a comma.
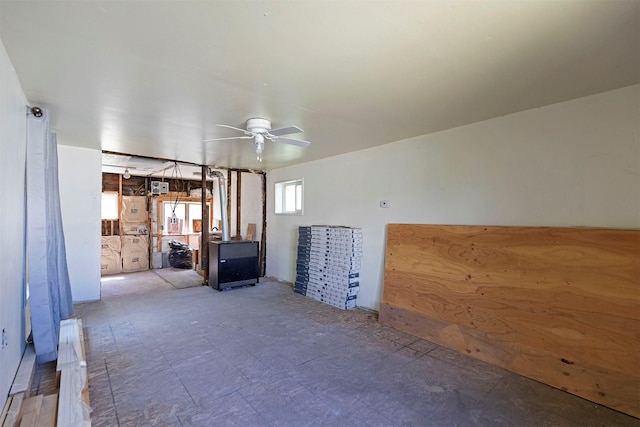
[(160, 353)]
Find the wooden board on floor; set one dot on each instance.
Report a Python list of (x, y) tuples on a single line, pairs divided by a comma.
[(48, 412), (69, 346), (74, 381), (85, 390), (12, 417), (559, 305), (24, 376), (5, 410), (70, 411), (30, 411)]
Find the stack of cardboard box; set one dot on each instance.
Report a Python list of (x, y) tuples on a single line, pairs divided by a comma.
[(135, 244), (328, 264), (134, 215), (110, 262), (135, 253)]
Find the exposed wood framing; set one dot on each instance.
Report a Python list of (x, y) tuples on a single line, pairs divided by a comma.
[(204, 248), (119, 204), (161, 159), (263, 239), (204, 236), (238, 203), (229, 201)]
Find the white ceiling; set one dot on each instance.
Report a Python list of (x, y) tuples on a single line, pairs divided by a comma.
[(154, 78)]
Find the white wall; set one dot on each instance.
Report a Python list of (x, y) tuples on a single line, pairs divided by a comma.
[(250, 202), (575, 163), (13, 142), (80, 197)]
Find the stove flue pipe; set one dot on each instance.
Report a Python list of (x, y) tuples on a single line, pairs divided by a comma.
[(222, 187)]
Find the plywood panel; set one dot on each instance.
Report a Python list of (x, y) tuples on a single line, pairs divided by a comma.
[(560, 305)]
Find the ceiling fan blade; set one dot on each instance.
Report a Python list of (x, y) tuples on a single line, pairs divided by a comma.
[(235, 128), (298, 142), (231, 137), (285, 131)]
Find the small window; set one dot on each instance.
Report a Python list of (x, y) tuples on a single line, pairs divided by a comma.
[(183, 217), (109, 205), (289, 197)]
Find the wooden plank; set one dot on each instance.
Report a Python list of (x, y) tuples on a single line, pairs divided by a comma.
[(70, 402), (69, 348), (559, 305), (238, 204), (85, 389), (24, 376), (263, 238), (5, 410), (228, 202), (251, 232), (74, 387), (48, 412), (206, 227), (66, 401), (119, 204), (13, 414), (81, 340), (30, 411)]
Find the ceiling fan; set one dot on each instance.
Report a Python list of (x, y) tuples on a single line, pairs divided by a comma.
[(260, 129)]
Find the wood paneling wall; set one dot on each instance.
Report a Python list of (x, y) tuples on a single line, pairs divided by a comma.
[(559, 305)]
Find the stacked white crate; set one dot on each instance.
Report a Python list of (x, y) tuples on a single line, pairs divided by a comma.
[(302, 262), (328, 267)]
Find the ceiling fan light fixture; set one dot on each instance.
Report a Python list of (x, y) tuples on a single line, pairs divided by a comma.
[(260, 129), (259, 146)]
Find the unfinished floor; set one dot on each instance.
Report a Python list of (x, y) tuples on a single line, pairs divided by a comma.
[(164, 351)]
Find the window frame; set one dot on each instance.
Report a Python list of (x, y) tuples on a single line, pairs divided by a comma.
[(187, 224), (280, 196), (111, 194)]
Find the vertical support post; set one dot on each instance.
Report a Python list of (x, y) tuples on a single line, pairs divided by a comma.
[(147, 195), (229, 200), (263, 238), (238, 198), (204, 235), (119, 204)]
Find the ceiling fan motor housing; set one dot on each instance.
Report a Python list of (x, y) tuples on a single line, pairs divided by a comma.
[(258, 125)]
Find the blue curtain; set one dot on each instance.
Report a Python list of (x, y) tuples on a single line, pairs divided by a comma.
[(47, 272)]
